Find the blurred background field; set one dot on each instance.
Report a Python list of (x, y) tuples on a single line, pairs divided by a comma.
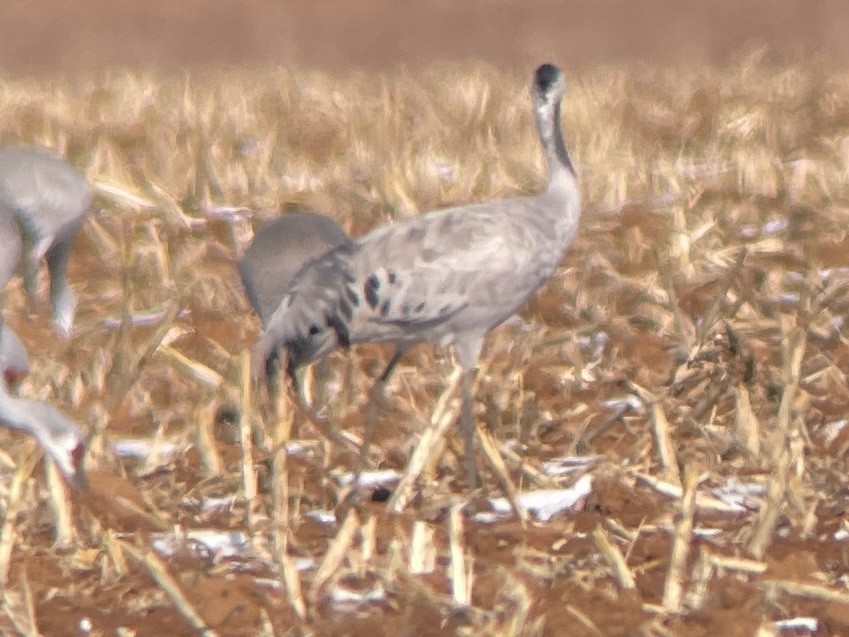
[(336, 35), (696, 327)]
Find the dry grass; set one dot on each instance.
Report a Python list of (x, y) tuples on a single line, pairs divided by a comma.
[(694, 334)]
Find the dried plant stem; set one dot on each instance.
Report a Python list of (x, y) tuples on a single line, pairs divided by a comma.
[(208, 450), (681, 240), (443, 417), (129, 361), (121, 195), (422, 553), (109, 540), (339, 547), (329, 431), (13, 508), (674, 583), (707, 565), (660, 429), (614, 558), (61, 503), (496, 463), (584, 620), (738, 564), (460, 573), (109, 248), (192, 369), (781, 457), (246, 438), (746, 426), (280, 506), (792, 352), (368, 539), (699, 581), (770, 510), (29, 603), (807, 591), (522, 601), (710, 317), (158, 571), (703, 502), (292, 580), (280, 503), (663, 440), (530, 472), (19, 607)]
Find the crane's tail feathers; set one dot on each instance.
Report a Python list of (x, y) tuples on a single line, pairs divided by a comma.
[(314, 316)]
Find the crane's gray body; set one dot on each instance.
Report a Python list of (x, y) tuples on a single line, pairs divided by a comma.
[(49, 199), (279, 249), (446, 277)]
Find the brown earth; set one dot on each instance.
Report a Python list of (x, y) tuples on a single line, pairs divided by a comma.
[(62, 35), (548, 387)]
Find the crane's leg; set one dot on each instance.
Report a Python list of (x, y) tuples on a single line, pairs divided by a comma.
[(390, 367), (321, 423), (272, 374), (296, 379), (61, 297), (468, 425), (3, 379), (467, 350), (375, 395), (30, 276)]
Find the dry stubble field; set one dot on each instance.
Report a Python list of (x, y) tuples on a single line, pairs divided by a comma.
[(687, 362)]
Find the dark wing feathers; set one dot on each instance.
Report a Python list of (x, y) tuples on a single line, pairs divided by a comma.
[(307, 322)]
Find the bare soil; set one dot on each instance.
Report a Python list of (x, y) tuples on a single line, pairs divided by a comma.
[(712, 255)]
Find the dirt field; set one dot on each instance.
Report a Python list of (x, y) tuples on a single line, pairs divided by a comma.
[(50, 35), (678, 391)]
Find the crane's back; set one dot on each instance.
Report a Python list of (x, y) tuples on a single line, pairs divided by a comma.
[(459, 270), (279, 249), (49, 194)]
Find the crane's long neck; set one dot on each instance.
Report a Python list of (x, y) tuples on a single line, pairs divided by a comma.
[(561, 172)]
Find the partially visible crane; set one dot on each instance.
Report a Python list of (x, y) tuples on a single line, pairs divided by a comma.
[(279, 249), (49, 200), (14, 361), (59, 436)]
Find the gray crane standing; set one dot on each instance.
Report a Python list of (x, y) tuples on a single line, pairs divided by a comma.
[(446, 277)]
